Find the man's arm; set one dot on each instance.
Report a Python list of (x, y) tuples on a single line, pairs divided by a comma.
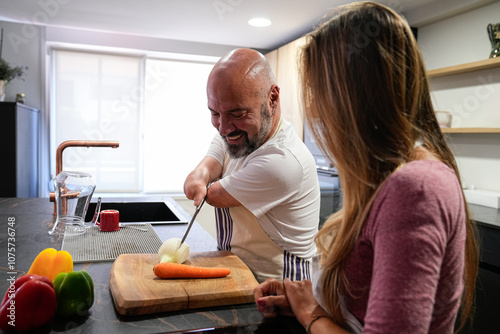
[(220, 198), (195, 186)]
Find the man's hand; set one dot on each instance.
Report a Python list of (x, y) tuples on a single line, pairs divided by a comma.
[(195, 186)]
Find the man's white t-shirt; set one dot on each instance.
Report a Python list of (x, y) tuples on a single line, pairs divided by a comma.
[(277, 185)]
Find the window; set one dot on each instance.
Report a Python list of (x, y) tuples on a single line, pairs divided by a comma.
[(177, 122), (155, 108)]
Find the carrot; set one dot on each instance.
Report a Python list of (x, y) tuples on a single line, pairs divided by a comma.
[(178, 270)]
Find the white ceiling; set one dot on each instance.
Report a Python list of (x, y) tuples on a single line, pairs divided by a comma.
[(221, 22)]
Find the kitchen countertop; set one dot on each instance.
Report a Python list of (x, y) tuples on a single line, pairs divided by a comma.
[(485, 216), (32, 220), (33, 217)]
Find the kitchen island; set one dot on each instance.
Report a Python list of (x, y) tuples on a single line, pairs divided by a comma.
[(30, 221)]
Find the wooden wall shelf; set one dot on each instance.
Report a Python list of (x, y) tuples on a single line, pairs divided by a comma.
[(464, 68), (470, 130)]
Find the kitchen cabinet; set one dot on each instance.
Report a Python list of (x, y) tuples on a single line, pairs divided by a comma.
[(487, 284), (487, 301), (487, 64), (19, 150), (284, 62)]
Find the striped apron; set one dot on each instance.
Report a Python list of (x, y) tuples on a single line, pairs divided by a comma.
[(239, 231)]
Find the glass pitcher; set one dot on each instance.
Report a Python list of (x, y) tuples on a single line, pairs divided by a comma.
[(73, 193)]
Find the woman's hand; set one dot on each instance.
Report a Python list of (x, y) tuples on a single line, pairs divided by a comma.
[(301, 299), (294, 299), (271, 299)]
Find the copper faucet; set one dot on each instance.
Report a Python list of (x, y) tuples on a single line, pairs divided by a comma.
[(77, 143)]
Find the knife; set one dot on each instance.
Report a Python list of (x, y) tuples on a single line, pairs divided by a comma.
[(192, 221), (194, 217)]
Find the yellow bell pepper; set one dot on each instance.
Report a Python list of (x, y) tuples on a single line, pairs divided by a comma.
[(51, 262)]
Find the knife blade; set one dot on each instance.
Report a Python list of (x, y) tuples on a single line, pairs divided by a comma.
[(194, 215), (192, 220)]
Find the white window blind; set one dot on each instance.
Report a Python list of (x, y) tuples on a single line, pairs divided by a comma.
[(156, 109), (95, 98), (178, 130)]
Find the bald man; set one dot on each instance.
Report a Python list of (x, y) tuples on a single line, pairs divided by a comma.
[(265, 188)]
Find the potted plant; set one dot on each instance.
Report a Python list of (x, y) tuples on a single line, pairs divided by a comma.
[(7, 72)]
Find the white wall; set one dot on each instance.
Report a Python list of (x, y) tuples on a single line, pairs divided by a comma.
[(473, 98), (22, 47)]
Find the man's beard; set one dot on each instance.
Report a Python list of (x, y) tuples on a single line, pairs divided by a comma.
[(250, 144)]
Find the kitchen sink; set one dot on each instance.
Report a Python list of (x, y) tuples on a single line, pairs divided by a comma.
[(158, 212)]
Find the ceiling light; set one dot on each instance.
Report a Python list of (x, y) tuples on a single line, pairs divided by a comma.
[(259, 22)]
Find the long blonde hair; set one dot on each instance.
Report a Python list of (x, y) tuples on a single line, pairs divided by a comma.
[(367, 101)]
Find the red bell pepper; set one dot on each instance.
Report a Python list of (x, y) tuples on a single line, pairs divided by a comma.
[(29, 303)]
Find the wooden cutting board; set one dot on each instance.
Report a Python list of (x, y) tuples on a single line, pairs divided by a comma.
[(136, 290)]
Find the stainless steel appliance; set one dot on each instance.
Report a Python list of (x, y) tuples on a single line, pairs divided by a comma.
[(331, 193)]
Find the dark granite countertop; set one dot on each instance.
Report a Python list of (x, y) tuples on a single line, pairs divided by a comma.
[(32, 220)]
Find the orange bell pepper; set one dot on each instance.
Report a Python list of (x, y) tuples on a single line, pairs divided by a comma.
[(51, 262)]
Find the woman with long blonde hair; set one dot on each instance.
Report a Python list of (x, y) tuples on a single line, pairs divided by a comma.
[(400, 256)]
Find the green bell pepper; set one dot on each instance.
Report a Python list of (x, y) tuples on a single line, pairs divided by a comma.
[(75, 293)]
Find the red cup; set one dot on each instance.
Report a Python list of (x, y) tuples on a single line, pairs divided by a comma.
[(109, 220)]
